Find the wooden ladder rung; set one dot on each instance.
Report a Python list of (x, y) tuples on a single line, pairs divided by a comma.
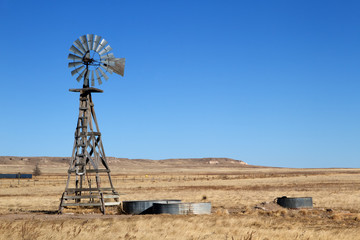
[(90, 134), (90, 196), (88, 189), (112, 203), (91, 204), (82, 197), (92, 171), (81, 204), (97, 170)]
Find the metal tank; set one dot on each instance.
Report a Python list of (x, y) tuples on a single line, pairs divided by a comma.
[(300, 202), (182, 208), (143, 206)]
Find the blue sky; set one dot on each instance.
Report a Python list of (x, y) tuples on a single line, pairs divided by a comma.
[(272, 83)]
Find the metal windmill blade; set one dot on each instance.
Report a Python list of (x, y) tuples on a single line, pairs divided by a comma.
[(74, 57), (77, 70), (90, 38), (105, 50), (74, 64), (103, 74), (81, 75), (106, 56), (96, 42), (84, 42), (98, 77), (102, 44), (78, 44), (75, 50)]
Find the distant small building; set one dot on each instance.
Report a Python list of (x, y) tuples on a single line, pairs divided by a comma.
[(213, 162)]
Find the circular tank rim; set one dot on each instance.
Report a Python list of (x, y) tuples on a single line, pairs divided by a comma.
[(292, 197), (152, 200), (182, 203)]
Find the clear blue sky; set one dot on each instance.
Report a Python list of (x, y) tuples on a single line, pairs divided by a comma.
[(272, 83)]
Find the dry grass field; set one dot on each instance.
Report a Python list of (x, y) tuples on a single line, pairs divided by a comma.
[(241, 196)]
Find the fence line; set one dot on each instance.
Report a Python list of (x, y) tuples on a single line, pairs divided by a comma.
[(61, 180)]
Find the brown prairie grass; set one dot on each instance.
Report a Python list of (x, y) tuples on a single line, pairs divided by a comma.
[(242, 207), (170, 227)]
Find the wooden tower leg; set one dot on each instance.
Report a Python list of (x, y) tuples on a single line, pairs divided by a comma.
[(102, 203), (61, 204)]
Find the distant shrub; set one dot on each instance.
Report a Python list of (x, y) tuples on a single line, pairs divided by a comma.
[(37, 171)]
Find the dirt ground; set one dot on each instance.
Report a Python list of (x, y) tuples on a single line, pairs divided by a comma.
[(242, 201)]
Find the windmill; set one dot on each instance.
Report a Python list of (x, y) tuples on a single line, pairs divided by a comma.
[(91, 57)]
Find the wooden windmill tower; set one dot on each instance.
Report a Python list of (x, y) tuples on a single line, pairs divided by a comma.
[(88, 163)]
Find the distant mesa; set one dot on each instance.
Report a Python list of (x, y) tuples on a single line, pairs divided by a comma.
[(116, 161), (13, 164)]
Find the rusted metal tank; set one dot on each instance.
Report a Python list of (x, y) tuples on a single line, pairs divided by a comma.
[(299, 202), (182, 208), (143, 206)]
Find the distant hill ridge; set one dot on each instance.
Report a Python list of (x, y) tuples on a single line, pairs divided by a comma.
[(113, 161)]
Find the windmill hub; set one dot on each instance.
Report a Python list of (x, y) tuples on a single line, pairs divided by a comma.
[(88, 60), (88, 160)]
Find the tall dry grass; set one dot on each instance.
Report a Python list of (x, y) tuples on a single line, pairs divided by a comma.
[(25, 207), (171, 227)]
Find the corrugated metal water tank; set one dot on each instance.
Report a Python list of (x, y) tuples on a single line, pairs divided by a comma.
[(143, 206), (300, 202), (182, 208)]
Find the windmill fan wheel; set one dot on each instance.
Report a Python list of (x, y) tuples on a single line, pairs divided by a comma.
[(91, 54)]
